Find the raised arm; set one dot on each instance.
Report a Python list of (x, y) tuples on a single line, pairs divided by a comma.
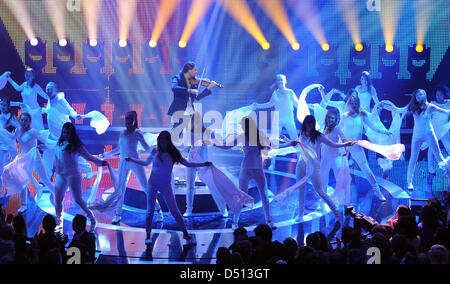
[(41, 92), (435, 108), (141, 140), (85, 154), (140, 162), (374, 95), (328, 142), (188, 164), (113, 152), (16, 86), (372, 126), (269, 104)]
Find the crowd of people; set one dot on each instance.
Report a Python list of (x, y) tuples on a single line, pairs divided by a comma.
[(402, 240)]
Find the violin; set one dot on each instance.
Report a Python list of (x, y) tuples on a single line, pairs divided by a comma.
[(205, 82)]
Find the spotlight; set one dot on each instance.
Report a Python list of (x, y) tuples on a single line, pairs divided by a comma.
[(419, 48), (182, 44), (359, 47), (152, 43), (34, 42), (122, 43), (325, 46), (93, 42), (295, 46), (389, 47), (266, 45), (63, 42)]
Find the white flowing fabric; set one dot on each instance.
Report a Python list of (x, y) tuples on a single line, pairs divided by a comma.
[(224, 191), (111, 201), (320, 113), (440, 132), (232, 120), (445, 164), (391, 152), (302, 108), (150, 138), (282, 151), (98, 121), (342, 194), (17, 174)]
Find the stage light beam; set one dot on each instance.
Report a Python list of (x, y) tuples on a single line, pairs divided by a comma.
[(240, 11), (34, 42), (275, 10), (93, 42), (423, 11), (122, 43), (389, 47), (62, 42), (20, 12), (152, 43), (359, 47), (196, 13), (349, 12), (307, 12), (419, 48), (56, 10), (126, 10), (166, 9), (91, 10), (389, 17), (325, 47)]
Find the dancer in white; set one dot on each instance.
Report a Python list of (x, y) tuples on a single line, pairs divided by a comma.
[(198, 151), (341, 106), (394, 129), (332, 157), (366, 92), (27, 138), (308, 167), (441, 125), (68, 149), (254, 141), (283, 100), (163, 158), (8, 122), (423, 131), (30, 90), (128, 145), (352, 124), (58, 111)]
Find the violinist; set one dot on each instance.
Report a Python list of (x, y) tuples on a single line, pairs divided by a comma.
[(185, 90)]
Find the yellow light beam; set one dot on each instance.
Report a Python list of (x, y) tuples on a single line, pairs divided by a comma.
[(56, 10), (277, 13), (307, 12), (389, 16), (91, 9), (166, 9), (19, 10), (350, 16), (423, 12), (241, 12), (126, 10), (196, 13)]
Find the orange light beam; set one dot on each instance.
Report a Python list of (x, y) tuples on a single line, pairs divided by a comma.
[(166, 9), (307, 12), (389, 16), (241, 12), (56, 10), (91, 9), (277, 13), (196, 13), (350, 16)]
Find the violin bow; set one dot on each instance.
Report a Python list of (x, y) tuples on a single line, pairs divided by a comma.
[(201, 79)]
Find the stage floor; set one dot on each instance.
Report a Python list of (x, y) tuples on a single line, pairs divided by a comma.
[(124, 243)]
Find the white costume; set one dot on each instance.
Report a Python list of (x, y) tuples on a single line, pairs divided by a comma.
[(423, 132), (441, 126), (366, 97), (383, 139), (29, 98), (7, 143), (333, 158), (128, 145), (352, 126), (58, 111), (68, 176)]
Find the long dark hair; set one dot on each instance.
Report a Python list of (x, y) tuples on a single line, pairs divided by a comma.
[(187, 67), (74, 141), (249, 124), (414, 106), (135, 117), (329, 128), (309, 119), (33, 81), (171, 149)]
